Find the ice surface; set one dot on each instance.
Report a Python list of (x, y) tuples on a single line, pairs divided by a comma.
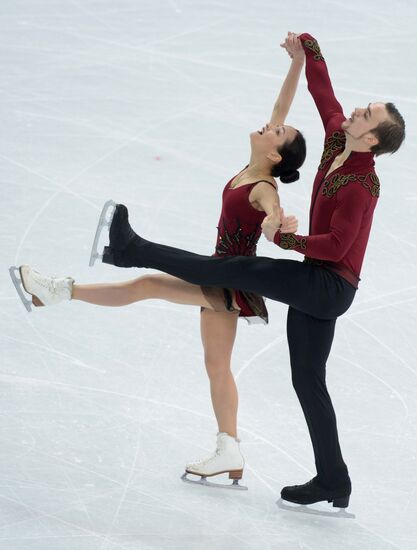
[(150, 102)]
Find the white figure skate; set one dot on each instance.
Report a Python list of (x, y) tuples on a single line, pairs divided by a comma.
[(105, 220), (227, 459), (45, 291)]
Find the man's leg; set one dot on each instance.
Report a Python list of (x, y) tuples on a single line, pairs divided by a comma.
[(310, 341), (305, 287)]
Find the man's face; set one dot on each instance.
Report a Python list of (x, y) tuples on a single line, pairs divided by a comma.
[(365, 119)]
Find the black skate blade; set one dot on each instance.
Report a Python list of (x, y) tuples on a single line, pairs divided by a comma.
[(304, 509), (104, 221), (203, 481), (18, 284)]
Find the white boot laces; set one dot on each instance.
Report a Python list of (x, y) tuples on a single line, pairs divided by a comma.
[(53, 285), (209, 459), (217, 452), (49, 283)]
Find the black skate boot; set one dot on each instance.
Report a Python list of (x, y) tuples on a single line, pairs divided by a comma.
[(312, 492), (121, 235)]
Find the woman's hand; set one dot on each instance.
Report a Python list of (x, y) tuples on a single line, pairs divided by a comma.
[(272, 223), (292, 44)]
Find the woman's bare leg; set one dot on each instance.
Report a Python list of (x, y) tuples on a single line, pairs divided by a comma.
[(218, 332), (148, 287)]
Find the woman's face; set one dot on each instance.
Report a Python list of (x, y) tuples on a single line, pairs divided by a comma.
[(271, 138)]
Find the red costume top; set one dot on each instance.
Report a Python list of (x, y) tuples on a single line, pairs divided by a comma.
[(342, 203), (239, 229)]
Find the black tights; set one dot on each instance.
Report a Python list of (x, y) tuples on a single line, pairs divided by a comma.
[(316, 297)]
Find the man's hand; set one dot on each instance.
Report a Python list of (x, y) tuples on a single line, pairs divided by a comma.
[(272, 223), (289, 223), (294, 47)]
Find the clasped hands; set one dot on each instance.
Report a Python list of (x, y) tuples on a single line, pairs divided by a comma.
[(292, 44), (278, 221)]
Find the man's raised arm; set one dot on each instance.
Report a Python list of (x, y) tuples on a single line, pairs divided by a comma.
[(318, 80)]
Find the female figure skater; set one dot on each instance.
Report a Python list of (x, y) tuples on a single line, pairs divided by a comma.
[(277, 151)]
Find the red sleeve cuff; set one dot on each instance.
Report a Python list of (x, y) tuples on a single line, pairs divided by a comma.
[(277, 238)]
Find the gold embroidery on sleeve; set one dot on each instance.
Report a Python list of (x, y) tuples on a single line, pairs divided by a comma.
[(289, 241), (314, 46)]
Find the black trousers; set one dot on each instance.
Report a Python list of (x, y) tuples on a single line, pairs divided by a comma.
[(315, 296)]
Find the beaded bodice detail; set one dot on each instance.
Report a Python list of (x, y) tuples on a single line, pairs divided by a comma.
[(235, 242)]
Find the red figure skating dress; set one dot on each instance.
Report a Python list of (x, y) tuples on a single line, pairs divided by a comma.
[(239, 229)]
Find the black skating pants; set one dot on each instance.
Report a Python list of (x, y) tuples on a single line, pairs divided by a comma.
[(315, 296)]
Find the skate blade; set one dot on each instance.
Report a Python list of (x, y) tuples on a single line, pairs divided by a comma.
[(104, 221), (203, 481), (304, 509), (18, 284)]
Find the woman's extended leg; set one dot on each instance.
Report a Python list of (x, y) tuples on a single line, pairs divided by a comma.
[(218, 332), (47, 291), (148, 287)]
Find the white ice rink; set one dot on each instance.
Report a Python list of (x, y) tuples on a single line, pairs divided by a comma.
[(150, 102)]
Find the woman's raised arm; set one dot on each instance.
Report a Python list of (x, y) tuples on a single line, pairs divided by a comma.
[(282, 105)]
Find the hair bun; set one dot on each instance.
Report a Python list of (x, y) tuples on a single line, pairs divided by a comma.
[(290, 176)]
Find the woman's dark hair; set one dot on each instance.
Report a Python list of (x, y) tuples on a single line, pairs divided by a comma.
[(293, 155)]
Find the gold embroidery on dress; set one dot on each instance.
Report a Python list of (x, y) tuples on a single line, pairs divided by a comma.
[(369, 181), (289, 241), (333, 143), (314, 46)]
